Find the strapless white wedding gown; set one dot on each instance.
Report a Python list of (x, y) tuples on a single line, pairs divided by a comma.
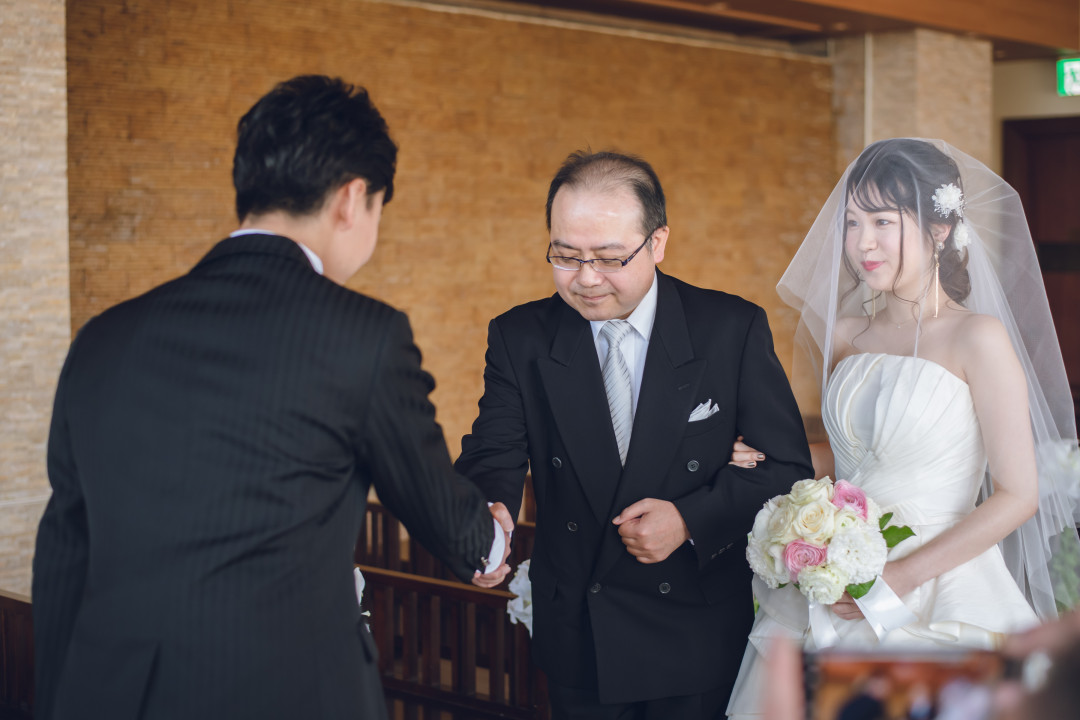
[(904, 429)]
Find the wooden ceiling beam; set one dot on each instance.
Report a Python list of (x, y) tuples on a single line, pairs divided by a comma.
[(722, 10), (1049, 23)]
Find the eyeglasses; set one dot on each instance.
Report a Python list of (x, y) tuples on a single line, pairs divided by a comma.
[(604, 265)]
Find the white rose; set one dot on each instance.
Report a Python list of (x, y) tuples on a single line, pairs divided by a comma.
[(763, 566), (814, 522), (822, 584), (779, 528), (775, 553), (846, 518), (805, 492), (858, 553), (761, 520)]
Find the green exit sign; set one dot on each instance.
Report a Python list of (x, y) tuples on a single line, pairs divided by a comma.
[(1068, 76)]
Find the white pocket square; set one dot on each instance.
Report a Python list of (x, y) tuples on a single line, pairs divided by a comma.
[(704, 410)]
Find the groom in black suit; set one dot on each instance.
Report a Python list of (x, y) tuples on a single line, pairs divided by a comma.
[(213, 443), (640, 581)]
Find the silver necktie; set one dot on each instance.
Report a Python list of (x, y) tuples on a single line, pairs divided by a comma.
[(617, 384)]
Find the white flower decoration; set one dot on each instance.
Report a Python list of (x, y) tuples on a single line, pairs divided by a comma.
[(822, 583), (520, 608), (948, 199), (961, 236), (859, 553)]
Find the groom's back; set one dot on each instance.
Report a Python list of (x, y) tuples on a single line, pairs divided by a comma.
[(213, 423)]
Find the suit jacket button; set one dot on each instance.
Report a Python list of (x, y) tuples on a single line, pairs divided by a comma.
[(665, 588), (556, 462), (571, 526), (693, 466), (595, 588)]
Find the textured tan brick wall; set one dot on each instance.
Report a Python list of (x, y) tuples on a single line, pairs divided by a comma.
[(484, 108), (34, 310)]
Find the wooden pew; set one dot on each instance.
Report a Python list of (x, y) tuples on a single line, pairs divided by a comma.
[(446, 648), (16, 657)]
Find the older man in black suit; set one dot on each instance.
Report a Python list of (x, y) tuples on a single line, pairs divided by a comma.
[(213, 443), (624, 393)]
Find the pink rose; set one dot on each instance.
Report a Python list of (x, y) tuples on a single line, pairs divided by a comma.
[(799, 554), (846, 495)]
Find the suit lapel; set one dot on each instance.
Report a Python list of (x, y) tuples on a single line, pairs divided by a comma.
[(669, 388), (575, 391)]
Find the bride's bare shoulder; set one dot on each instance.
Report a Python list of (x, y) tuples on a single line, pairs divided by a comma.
[(846, 330), (981, 331), (981, 338)]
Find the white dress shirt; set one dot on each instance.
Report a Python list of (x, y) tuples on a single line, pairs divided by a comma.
[(315, 260)]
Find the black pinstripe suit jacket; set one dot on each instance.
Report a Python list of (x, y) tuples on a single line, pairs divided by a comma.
[(211, 449)]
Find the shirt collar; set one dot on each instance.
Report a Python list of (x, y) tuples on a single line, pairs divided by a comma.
[(316, 262), (643, 317)]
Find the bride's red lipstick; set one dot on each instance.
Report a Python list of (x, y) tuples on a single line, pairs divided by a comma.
[(870, 266)]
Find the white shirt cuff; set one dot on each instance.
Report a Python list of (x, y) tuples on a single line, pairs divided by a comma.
[(498, 547)]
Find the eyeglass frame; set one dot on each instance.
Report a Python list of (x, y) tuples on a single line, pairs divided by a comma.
[(581, 263)]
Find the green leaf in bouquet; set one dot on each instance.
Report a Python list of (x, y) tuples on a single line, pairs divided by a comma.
[(884, 520), (857, 591), (895, 534)]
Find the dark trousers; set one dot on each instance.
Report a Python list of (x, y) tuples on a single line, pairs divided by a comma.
[(584, 704)]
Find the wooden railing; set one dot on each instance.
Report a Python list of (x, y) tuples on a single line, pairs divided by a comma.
[(447, 647), (16, 657)]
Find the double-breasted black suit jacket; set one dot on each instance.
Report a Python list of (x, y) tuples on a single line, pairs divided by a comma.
[(211, 450), (601, 618)]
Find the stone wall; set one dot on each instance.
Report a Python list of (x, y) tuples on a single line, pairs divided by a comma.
[(34, 310)]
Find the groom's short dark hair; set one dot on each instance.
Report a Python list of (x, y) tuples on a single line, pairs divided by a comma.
[(304, 139)]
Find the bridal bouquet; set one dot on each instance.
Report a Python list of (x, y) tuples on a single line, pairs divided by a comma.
[(825, 538)]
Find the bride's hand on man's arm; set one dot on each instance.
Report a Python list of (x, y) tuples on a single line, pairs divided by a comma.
[(744, 456)]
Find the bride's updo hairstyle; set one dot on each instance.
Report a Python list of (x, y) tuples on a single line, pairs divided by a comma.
[(903, 175)]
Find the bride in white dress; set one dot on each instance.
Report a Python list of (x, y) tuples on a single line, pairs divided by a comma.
[(944, 398)]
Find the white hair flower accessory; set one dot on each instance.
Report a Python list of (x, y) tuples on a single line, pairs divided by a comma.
[(961, 236), (949, 199)]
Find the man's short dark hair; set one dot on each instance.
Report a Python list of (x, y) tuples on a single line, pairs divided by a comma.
[(606, 171), (306, 138)]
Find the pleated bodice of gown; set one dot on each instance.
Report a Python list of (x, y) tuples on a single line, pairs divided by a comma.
[(903, 429)]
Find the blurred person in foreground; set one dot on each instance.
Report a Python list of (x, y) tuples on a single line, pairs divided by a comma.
[(1055, 697), (214, 440)]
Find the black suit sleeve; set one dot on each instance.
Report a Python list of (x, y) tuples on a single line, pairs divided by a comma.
[(411, 466), (721, 513), (60, 556), (495, 455)]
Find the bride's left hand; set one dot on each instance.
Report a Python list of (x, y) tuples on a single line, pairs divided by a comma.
[(846, 608), (894, 575)]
